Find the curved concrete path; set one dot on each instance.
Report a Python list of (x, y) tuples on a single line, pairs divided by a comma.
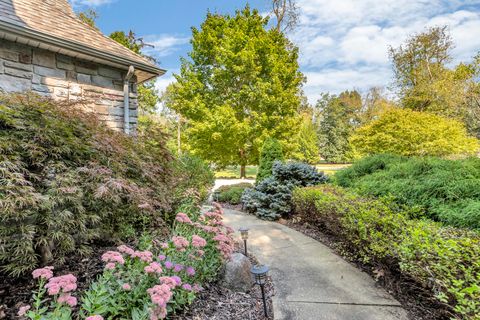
[(311, 281)]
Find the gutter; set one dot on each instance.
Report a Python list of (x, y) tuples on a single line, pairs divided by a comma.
[(79, 48), (126, 100)]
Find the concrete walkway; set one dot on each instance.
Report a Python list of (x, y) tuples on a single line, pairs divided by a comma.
[(311, 281)]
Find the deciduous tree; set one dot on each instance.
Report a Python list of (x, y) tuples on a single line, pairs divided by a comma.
[(413, 133), (241, 84)]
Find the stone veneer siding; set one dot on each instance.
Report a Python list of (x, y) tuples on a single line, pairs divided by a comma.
[(98, 87)]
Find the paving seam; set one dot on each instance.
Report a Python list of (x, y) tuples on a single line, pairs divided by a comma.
[(292, 246), (347, 303)]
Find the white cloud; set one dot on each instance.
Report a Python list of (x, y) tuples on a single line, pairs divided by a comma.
[(162, 82), (344, 43), (164, 44)]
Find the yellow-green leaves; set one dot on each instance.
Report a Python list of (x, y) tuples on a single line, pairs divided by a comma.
[(412, 133)]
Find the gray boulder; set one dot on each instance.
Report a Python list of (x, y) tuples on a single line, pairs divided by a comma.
[(237, 275)]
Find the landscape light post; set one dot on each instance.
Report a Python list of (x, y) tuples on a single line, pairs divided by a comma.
[(244, 234), (260, 272)]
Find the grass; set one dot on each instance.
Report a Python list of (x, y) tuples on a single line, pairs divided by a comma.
[(233, 172)]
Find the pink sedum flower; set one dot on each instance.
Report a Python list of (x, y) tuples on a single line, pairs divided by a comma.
[(153, 267), (169, 265), (113, 256), (43, 273), (187, 286), (162, 257), (64, 284), (110, 266), (23, 310), (126, 287), (198, 242), (180, 243), (95, 318), (183, 218), (125, 249), (145, 256), (178, 268)]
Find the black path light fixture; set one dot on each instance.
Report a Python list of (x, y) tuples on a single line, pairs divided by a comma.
[(260, 273), (244, 234)]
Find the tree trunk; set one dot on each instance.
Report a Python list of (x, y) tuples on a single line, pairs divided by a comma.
[(243, 174)]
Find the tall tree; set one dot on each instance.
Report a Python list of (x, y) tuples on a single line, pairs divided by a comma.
[(426, 83), (286, 13), (89, 17), (306, 149), (241, 85), (339, 116), (148, 95)]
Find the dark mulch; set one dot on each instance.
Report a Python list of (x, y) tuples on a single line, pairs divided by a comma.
[(214, 302), (219, 303), (16, 292), (418, 301)]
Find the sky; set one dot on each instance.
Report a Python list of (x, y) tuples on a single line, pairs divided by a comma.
[(343, 43)]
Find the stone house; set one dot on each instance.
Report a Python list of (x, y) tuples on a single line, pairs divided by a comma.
[(46, 49)]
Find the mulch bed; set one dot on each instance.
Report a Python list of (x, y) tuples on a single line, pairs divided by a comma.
[(218, 303), (214, 302), (418, 301), (16, 292)]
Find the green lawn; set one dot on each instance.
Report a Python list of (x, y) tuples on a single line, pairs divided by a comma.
[(233, 172)]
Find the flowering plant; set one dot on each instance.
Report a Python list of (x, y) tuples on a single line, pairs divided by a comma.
[(148, 283), (59, 289)]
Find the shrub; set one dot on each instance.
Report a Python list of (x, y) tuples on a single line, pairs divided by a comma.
[(445, 190), (231, 194), (443, 260), (271, 152), (149, 283), (413, 133), (66, 179), (271, 198)]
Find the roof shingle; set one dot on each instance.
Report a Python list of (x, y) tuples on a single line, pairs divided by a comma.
[(56, 19)]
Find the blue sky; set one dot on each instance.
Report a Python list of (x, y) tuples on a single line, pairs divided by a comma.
[(343, 43)]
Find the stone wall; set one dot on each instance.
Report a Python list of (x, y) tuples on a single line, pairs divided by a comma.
[(98, 87)]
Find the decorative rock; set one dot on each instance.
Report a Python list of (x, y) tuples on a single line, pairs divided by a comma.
[(237, 275)]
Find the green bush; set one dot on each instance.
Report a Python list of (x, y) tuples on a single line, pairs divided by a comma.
[(446, 190), (271, 152), (231, 194), (271, 198), (66, 179), (444, 260)]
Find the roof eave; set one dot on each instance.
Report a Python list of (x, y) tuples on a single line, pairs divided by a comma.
[(80, 49)]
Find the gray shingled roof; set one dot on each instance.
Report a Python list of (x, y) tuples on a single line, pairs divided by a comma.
[(52, 25)]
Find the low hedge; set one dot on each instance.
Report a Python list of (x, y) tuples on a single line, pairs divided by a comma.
[(231, 194), (445, 260), (443, 190)]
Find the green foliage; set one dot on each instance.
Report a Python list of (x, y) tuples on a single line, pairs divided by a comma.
[(271, 151), (241, 85), (447, 190), (339, 115), (231, 194), (426, 82), (271, 198), (306, 149), (413, 133), (444, 261), (66, 179), (194, 176), (89, 17)]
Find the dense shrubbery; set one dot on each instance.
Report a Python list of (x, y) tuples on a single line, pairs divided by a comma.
[(271, 198), (444, 260), (148, 283), (66, 179), (271, 151), (446, 190), (231, 194)]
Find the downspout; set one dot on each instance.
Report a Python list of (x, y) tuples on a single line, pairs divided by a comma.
[(126, 100)]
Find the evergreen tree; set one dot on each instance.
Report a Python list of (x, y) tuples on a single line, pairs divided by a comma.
[(271, 152)]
